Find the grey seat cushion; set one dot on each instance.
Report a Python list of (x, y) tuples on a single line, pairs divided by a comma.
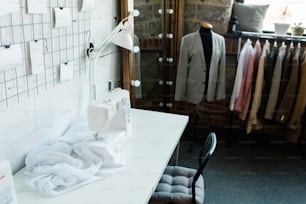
[(175, 186)]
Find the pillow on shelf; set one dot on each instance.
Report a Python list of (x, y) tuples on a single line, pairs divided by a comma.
[(250, 16)]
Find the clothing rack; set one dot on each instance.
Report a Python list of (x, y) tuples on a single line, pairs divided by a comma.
[(268, 36), (275, 38)]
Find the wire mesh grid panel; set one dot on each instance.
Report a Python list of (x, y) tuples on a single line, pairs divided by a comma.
[(25, 34)]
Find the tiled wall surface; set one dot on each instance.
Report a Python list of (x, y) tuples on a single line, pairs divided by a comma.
[(60, 45), (36, 108)]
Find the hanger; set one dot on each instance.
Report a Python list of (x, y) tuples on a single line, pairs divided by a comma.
[(275, 44), (265, 47), (267, 43), (299, 45), (207, 25), (291, 45)]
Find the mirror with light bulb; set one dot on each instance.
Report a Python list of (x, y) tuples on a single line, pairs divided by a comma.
[(150, 74)]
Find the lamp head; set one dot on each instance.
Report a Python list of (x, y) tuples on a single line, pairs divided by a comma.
[(124, 37), (121, 36)]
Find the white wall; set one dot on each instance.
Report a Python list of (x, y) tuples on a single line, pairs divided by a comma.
[(39, 117), (106, 68)]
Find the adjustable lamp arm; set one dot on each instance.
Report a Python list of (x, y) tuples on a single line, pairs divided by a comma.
[(93, 52), (121, 36)]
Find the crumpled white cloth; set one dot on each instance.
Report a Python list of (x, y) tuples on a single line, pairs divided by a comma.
[(70, 161), (102, 153)]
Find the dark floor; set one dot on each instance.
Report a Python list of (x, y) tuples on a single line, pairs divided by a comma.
[(251, 172)]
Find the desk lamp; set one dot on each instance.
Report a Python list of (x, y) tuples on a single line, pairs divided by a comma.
[(121, 36), (111, 118)]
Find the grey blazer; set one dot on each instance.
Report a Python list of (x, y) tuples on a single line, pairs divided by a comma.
[(191, 73)]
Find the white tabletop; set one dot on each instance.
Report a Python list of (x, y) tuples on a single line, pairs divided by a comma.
[(155, 136)]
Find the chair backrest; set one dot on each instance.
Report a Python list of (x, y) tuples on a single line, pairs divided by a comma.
[(206, 152)]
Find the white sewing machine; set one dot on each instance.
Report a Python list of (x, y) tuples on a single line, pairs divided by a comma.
[(110, 117)]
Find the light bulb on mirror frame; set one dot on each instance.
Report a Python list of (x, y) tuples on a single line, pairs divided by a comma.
[(136, 12), (136, 49)]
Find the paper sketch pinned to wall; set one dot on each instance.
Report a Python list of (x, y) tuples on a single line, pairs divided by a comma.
[(88, 5), (10, 57), (37, 57), (63, 17), (66, 71), (9, 6), (37, 6)]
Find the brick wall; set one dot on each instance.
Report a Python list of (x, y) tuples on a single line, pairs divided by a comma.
[(149, 24), (216, 12)]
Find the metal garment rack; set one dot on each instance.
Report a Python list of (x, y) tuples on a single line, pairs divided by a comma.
[(275, 38), (267, 36), (60, 45)]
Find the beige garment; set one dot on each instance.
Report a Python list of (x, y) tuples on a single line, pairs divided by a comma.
[(276, 80), (285, 107), (300, 102), (253, 122)]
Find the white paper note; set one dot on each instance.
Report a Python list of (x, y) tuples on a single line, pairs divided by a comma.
[(9, 6), (66, 71), (37, 6), (63, 17), (10, 57), (37, 57), (88, 5)]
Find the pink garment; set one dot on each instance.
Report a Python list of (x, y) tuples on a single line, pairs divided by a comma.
[(240, 72), (243, 101)]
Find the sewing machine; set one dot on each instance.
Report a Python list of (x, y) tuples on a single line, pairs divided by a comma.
[(110, 117)]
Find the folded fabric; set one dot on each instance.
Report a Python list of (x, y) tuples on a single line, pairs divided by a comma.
[(72, 160)]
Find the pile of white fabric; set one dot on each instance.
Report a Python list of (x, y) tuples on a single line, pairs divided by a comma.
[(72, 160)]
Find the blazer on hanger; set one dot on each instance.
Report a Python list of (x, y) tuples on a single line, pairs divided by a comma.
[(191, 73), (300, 102), (285, 107)]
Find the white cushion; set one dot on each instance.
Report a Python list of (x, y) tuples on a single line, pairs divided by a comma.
[(175, 186)]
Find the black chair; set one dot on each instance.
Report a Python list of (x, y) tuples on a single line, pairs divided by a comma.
[(184, 185)]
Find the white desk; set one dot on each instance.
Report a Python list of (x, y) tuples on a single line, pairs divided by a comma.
[(155, 136)]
